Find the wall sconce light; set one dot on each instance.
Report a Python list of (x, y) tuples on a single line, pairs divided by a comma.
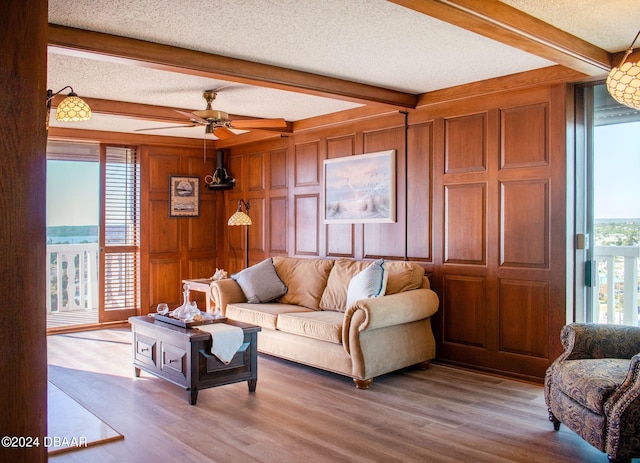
[(71, 109), (241, 218), (623, 81)]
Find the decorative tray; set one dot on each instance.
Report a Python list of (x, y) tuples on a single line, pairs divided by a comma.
[(185, 324)]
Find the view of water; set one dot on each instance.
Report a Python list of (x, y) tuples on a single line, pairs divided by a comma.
[(72, 239)]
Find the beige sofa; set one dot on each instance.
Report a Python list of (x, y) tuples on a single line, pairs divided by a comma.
[(312, 324)]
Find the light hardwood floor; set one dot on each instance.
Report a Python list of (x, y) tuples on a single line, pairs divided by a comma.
[(300, 414)]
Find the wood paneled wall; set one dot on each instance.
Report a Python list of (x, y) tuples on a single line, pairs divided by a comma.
[(480, 204), (283, 181), (176, 248), (498, 237)]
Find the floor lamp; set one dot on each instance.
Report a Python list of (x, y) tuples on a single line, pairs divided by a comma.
[(242, 218)]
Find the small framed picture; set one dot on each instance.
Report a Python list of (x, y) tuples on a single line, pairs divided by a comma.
[(184, 195)]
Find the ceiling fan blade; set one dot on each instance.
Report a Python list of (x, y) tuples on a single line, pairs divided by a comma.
[(223, 132), (258, 123), (168, 127), (193, 117)]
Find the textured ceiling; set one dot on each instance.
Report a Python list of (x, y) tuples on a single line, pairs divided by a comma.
[(367, 41)]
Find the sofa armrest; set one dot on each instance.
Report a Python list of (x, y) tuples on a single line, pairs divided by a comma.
[(380, 312), (591, 341), (226, 291)]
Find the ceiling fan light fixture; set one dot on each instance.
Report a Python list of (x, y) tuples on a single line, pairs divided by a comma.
[(623, 81)]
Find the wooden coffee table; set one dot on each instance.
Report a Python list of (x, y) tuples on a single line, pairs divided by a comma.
[(183, 356)]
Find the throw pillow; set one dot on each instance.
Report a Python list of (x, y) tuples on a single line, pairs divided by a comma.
[(371, 282), (260, 282)]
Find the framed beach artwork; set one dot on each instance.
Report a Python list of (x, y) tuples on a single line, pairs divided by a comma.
[(184, 196), (360, 188)]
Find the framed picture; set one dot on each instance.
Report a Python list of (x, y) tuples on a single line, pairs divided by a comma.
[(184, 195), (360, 188)]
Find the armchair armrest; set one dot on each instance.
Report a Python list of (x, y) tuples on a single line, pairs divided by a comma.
[(629, 390), (226, 291), (590, 341), (394, 309)]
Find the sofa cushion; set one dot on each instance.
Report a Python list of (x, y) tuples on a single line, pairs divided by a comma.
[(264, 315), (318, 324), (260, 282), (370, 282), (305, 278), (334, 296), (590, 382), (403, 276)]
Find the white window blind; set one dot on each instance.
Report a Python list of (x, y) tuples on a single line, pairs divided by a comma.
[(121, 229)]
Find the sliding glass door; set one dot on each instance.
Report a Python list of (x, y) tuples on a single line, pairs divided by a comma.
[(93, 234), (612, 192)]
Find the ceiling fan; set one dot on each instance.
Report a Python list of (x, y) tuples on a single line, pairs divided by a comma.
[(218, 123)]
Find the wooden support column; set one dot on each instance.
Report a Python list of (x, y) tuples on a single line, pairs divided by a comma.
[(23, 365)]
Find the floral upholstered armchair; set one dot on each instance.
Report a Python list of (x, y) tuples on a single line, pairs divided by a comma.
[(593, 388)]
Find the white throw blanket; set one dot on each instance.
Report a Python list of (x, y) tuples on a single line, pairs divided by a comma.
[(226, 340)]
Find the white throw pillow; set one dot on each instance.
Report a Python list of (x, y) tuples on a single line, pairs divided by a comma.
[(371, 282), (260, 282)]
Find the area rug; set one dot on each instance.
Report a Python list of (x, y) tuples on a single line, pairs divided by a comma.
[(73, 427)]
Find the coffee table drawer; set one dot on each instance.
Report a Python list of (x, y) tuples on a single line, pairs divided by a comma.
[(173, 362), (145, 350)]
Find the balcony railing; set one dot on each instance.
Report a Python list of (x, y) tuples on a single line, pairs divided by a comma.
[(72, 282), (615, 293)]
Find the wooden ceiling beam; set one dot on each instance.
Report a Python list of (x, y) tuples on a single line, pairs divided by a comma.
[(503, 23), (79, 42), (146, 112)]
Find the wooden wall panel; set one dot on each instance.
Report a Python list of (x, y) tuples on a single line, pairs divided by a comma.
[(524, 317), (465, 144), (307, 164), (161, 167), (338, 147), (203, 268), (531, 149), (165, 236), (278, 213), (419, 197), (465, 310), (524, 223), (340, 239), (465, 224), (235, 168), (498, 188), (165, 282), (197, 164), (307, 214), (256, 172), (278, 169), (202, 233), (257, 228), (174, 244), (388, 239)]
